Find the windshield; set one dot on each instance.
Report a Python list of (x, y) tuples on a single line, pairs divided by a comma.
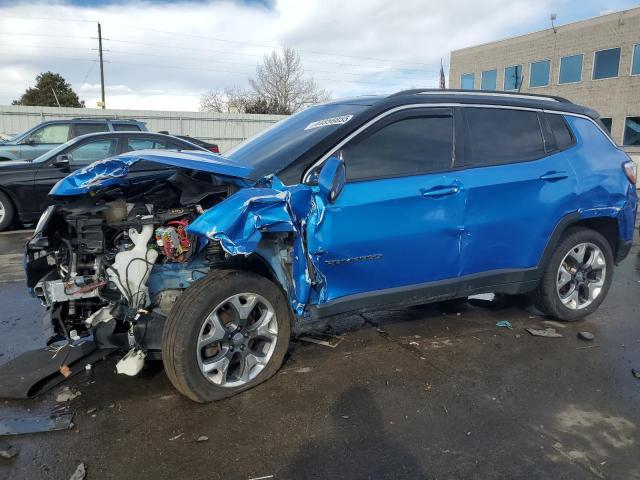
[(279, 145)]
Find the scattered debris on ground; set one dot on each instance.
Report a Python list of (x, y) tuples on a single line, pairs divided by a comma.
[(66, 395), (92, 410), (303, 370), (588, 336), (35, 424), (176, 437), (325, 339), (504, 324), (7, 450), (635, 373), (551, 323), (202, 438), (547, 332), (346, 417), (65, 371), (80, 473)]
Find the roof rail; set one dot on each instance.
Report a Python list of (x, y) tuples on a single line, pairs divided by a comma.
[(436, 91), (106, 118)]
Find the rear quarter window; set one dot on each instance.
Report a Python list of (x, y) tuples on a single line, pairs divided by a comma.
[(498, 136), (561, 131)]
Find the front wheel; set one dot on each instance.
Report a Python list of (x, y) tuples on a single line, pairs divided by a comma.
[(578, 276), (227, 332)]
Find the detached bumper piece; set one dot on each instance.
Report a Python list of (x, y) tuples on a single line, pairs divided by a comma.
[(35, 372)]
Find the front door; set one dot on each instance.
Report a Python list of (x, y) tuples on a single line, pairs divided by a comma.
[(44, 139), (396, 223), (80, 155)]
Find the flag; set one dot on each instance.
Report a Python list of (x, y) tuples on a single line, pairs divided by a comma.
[(442, 85)]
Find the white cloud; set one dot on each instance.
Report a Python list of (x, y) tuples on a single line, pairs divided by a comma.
[(399, 44)]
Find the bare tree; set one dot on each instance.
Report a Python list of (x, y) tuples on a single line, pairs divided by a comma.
[(280, 82), (229, 100)]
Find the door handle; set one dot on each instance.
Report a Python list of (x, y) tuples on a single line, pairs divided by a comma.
[(440, 191), (553, 176)]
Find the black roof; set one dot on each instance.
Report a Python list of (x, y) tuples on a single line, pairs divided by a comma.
[(484, 97)]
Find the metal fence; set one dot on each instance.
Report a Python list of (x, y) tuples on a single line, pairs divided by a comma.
[(225, 129)]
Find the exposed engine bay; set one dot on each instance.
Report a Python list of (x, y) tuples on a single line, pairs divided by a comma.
[(111, 264)]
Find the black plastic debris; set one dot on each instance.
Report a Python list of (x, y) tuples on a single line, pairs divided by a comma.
[(35, 424), (588, 336), (7, 450), (635, 373)]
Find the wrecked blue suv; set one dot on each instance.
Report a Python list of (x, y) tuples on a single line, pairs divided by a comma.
[(353, 205)]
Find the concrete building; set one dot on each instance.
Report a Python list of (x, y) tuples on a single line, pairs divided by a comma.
[(594, 62)]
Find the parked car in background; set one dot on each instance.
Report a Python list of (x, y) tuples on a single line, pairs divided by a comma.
[(212, 147), (24, 185), (47, 135), (345, 207)]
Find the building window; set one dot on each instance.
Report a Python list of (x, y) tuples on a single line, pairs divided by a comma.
[(571, 69), (539, 76), (489, 78), (512, 77), (607, 122), (466, 81), (635, 63), (631, 132), (606, 63)]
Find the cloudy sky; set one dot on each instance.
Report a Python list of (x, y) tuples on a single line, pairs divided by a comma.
[(163, 55)]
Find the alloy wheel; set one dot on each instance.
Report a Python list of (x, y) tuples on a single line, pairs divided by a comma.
[(581, 276), (237, 340)]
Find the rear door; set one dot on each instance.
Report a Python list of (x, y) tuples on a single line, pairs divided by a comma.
[(396, 222), (519, 185)]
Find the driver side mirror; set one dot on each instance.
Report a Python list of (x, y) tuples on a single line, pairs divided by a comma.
[(28, 141), (332, 178), (61, 162)]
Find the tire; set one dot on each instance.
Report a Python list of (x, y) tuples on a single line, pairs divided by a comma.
[(7, 212), (188, 324), (548, 296)]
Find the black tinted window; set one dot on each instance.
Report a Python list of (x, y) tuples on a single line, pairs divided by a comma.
[(126, 127), (85, 128), (560, 131), (405, 147), (502, 135)]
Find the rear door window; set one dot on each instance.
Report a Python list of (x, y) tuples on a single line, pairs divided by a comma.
[(126, 127), (412, 144), (145, 143), (498, 136), (86, 128)]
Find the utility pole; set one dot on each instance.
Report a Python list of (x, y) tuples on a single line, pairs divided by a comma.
[(101, 65)]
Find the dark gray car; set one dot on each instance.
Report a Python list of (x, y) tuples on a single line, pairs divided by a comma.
[(47, 135)]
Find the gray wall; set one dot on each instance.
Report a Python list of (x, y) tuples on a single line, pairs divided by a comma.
[(616, 98), (225, 129)]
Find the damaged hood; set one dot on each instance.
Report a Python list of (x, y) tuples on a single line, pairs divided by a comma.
[(115, 170)]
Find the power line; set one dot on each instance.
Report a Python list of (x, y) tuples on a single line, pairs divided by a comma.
[(263, 45)]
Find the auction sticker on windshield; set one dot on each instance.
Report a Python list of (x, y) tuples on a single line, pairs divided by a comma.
[(329, 121)]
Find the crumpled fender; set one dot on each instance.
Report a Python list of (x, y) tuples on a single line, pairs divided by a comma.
[(240, 221), (114, 171)]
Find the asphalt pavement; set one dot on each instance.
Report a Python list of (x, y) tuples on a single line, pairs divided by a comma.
[(437, 391)]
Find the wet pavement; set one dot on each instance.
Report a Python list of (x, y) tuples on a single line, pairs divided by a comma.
[(428, 392)]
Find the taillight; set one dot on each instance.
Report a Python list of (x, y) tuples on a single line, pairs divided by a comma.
[(631, 170), (214, 149)]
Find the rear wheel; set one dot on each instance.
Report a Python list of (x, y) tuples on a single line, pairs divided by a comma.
[(578, 276), (226, 333), (7, 212)]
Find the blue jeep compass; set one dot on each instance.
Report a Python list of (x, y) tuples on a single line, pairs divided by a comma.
[(213, 262)]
